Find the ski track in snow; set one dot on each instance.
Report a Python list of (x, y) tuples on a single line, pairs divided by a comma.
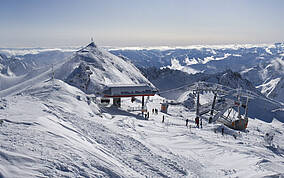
[(128, 150), (66, 161)]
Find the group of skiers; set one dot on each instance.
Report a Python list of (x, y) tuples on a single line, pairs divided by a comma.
[(147, 115), (155, 111), (198, 122)]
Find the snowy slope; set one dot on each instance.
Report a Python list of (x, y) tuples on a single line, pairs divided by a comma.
[(46, 143), (54, 130), (65, 135)]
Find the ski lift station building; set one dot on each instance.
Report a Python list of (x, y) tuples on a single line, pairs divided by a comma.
[(118, 91), (132, 90)]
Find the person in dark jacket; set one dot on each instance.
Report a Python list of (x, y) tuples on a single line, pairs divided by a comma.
[(186, 123), (163, 120), (197, 122)]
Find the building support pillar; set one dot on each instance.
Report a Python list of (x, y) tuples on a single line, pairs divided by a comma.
[(143, 104)]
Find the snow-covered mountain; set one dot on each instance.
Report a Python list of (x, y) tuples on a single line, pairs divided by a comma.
[(90, 69), (260, 64), (18, 68), (162, 77), (13, 66), (209, 59), (268, 78), (16, 65)]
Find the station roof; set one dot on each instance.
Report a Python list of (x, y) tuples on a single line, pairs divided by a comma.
[(129, 90), (127, 85)]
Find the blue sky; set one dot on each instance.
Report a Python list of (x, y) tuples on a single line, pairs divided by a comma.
[(55, 23)]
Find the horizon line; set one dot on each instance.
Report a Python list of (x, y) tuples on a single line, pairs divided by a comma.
[(149, 47)]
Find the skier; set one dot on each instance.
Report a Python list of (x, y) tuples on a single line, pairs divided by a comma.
[(222, 130), (163, 120), (197, 122), (186, 123), (200, 123), (210, 120)]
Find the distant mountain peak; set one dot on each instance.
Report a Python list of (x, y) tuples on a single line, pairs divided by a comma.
[(92, 68), (92, 44), (90, 47)]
